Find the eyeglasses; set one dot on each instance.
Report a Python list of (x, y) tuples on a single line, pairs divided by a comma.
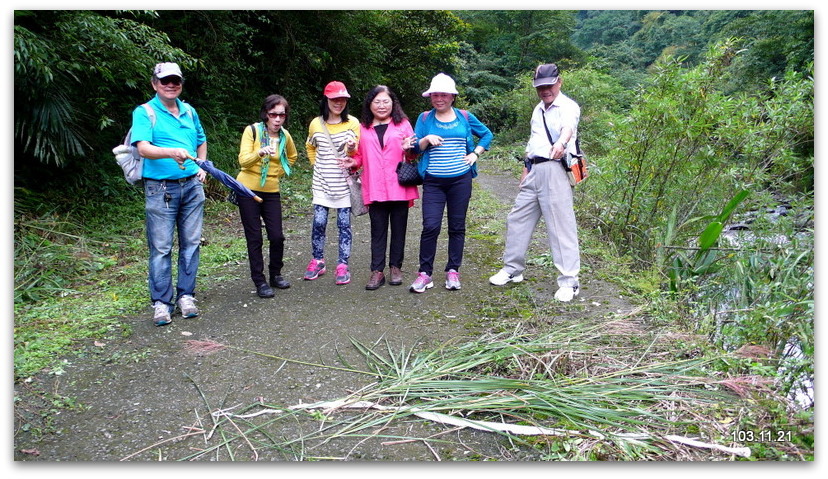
[(381, 102), (276, 115), (171, 79)]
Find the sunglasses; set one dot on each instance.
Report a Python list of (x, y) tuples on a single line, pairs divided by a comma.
[(171, 79), (276, 115)]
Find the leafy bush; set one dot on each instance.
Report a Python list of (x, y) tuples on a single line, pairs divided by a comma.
[(766, 296), (72, 69), (680, 156)]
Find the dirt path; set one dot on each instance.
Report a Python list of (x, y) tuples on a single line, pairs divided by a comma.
[(157, 388)]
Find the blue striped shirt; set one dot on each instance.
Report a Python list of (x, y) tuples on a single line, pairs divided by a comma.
[(448, 159)]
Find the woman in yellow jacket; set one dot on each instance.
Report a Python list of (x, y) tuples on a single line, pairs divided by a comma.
[(266, 154)]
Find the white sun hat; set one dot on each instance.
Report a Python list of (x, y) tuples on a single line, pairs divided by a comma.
[(441, 83), (163, 70)]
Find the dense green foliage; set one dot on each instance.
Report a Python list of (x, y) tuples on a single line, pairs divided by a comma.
[(62, 56), (687, 160), (629, 41), (681, 111)]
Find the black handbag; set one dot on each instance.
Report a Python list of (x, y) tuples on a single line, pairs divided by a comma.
[(408, 175)]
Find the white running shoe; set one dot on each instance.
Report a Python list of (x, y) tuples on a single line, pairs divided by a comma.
[(502, 277), (186, 304), (161, 315), (566, 293)]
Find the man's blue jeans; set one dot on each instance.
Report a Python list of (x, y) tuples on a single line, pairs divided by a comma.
[(173, 205)]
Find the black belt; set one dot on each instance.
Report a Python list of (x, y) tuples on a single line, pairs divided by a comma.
[(178, 180), (540, 159)]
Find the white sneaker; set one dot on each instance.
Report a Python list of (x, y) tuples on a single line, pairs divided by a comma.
[(186, 304), (161, 315), (566, 293), (502, 277)]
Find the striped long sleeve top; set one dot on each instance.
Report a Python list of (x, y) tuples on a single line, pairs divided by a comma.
[(329, 185)]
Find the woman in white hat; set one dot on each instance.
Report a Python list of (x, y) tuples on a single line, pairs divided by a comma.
[(446, 139)]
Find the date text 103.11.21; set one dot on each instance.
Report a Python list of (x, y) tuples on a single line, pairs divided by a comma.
[(764, 435)]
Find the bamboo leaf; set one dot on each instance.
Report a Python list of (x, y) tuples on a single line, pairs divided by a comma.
[(732, 204), (710, 235)]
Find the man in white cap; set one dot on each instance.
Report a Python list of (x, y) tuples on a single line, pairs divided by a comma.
[(545, 189), (173, 191)]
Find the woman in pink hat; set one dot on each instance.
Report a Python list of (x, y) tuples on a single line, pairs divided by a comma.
[(333, 135)]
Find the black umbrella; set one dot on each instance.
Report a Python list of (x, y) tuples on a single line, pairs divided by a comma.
[(225, 179)]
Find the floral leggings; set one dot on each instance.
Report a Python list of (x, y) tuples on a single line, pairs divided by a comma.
[(318, 232)]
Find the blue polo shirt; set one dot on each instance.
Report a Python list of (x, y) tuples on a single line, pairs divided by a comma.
[(169, 131)]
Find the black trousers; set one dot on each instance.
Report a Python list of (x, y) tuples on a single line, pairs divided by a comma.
[(383, 214), (452, 196), (252, 215)]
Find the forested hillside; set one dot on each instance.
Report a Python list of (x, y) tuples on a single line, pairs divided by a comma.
[(78, 74), (699, 126)]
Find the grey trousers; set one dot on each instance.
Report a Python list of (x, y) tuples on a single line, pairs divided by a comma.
[(545, 191)]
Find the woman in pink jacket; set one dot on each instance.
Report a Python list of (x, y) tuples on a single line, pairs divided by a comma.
[(385, 135)]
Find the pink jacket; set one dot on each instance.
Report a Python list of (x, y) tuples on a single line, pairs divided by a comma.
[(379, 164)]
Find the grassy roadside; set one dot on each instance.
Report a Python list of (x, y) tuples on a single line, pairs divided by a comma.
[(79, 274), (66, 319), (660, 328)]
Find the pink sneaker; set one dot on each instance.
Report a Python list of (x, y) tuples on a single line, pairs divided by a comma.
[(343, 275), (316, 268), (421, 283), (452, 280)]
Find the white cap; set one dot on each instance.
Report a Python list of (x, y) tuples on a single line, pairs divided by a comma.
[(441, 83), (162, 70)]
